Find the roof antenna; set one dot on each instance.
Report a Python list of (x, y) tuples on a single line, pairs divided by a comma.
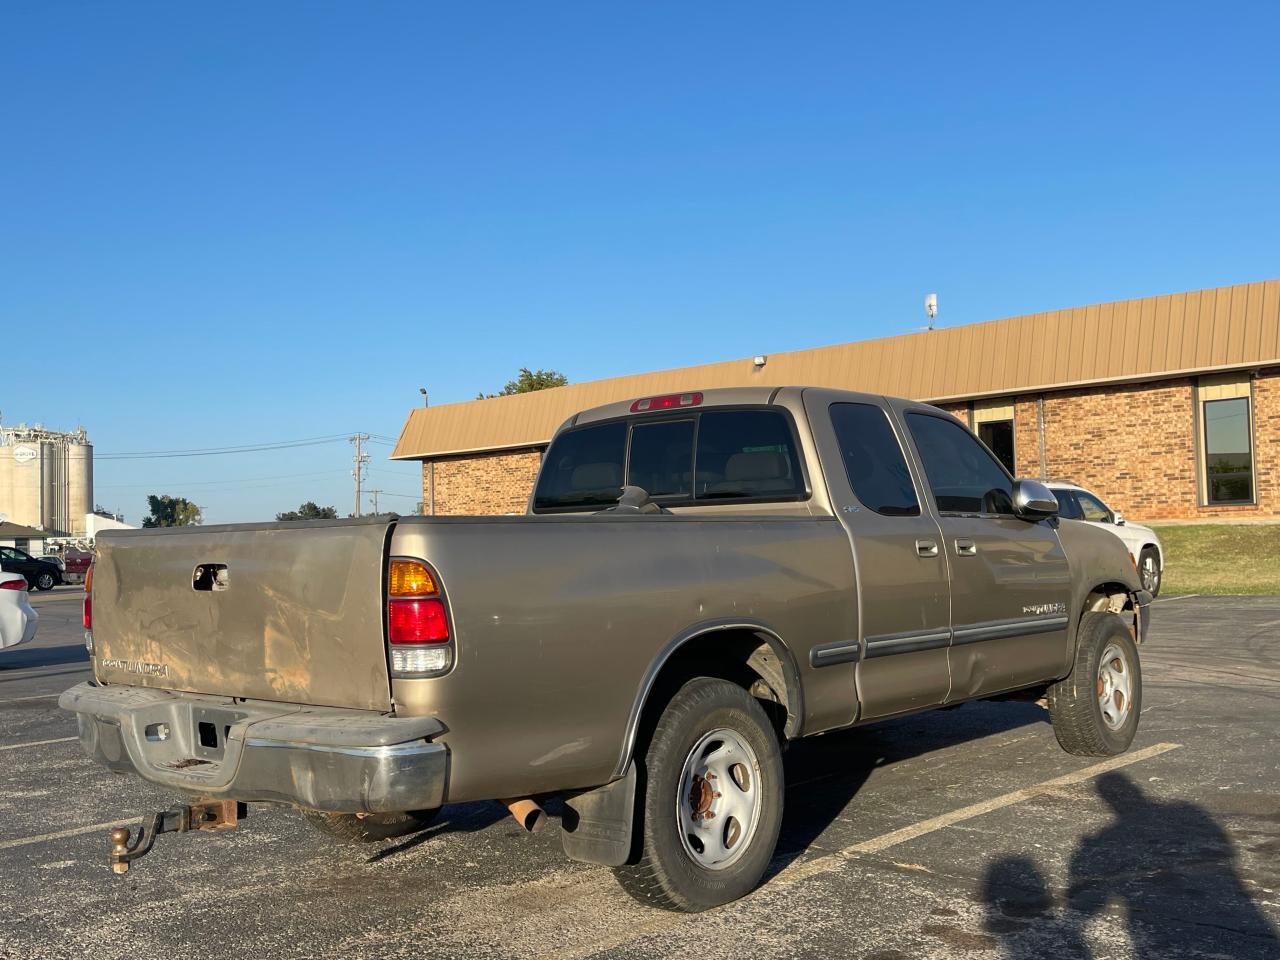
[(931, 307)]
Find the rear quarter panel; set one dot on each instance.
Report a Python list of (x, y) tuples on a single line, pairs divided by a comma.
[(559, 619)]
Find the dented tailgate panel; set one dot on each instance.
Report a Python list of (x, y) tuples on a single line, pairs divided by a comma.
[(290, 612)]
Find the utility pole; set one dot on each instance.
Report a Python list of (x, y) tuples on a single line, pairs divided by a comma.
[(374, 494), (359, 460)]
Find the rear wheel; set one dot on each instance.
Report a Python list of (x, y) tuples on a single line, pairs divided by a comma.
[(371, 827), (712, 804), (1095, 709), (1149, 570)]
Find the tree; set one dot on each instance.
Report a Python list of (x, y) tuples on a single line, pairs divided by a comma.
[(528, 382), (167, 511), (309, 511)]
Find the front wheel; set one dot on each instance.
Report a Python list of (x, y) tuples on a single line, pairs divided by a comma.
[(712, 803), (1095, 709), (1149, 570), (45, 581), (371, 827)]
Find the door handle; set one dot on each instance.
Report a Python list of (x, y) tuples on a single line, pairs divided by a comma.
[(926, 548), (966, 547)]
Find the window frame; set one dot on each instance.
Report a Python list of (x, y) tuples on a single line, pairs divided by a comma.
[(696, 414), (1202, 405), (906, 457), (947, 418)]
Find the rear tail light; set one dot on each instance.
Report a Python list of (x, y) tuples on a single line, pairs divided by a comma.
[(13, 585), (88, 610), (669, 402), (417, 621)]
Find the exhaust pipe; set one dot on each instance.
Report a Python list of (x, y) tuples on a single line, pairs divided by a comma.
[(528, 813)]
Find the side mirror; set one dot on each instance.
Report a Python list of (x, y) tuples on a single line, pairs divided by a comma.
[(1117, 518), (1032, 500)]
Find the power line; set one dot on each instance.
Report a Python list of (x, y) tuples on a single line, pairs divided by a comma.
[(206, 483), (219, 451)]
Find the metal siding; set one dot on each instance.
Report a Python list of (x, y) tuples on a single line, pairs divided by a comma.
[(1151, 337), (1270, 320)]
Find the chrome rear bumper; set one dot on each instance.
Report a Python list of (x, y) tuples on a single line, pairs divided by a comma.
[(324, 758)]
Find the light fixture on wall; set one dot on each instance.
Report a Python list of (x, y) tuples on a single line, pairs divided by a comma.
[(760, 360)]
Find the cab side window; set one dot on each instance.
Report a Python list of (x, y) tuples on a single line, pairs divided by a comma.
[(1068, 509), (1092, 508), (873, 460), (963, 475)]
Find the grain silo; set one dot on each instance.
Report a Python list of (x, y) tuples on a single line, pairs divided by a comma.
[(46, 478)]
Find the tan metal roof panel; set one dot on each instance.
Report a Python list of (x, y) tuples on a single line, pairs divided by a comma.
[(1128, 340)]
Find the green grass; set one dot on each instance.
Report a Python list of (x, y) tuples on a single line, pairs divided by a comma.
[(1222, 558)]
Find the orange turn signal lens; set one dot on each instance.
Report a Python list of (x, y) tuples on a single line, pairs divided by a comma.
[(410, 579)]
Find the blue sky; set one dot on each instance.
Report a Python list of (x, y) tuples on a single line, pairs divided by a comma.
[(244, 223)]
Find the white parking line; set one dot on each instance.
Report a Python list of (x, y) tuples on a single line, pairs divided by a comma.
[(43, 696), (37, 743), (1185, 596), (834, 861), (73, 832)]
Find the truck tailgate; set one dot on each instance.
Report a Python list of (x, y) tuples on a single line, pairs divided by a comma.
[(298, 618)]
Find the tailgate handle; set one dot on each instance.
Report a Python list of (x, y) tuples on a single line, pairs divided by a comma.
[(211, 576)]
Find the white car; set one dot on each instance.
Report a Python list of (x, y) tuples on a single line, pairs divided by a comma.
[(1077, 503), (17, 618)]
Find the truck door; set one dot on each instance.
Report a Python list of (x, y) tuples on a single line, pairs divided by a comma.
[(1010, 584), (897, 549)]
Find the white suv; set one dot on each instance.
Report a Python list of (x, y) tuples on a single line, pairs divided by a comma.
[(1077, 503)]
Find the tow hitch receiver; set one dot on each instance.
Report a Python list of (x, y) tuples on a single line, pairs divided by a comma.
[(208, 815)]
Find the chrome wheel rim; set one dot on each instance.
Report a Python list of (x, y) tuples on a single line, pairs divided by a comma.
[(718, 799), (1115, 687), (1150, 575), (44, 581)]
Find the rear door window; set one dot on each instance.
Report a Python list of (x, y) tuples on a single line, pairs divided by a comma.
[(873, 460), (963, 475)]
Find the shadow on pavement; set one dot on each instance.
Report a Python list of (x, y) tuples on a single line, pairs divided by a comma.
[(1156, 861), (816, 796), (453, 818), (24, 656)]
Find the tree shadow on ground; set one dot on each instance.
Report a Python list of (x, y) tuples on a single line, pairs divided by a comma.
[(1170, 869)]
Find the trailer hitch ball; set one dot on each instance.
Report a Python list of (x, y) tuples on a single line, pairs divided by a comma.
[(210, 815), (119, 847)]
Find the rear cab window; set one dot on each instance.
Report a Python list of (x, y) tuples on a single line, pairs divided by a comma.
[(711, 456)]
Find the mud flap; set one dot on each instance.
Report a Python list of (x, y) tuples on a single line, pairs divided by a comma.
[(597, 826)]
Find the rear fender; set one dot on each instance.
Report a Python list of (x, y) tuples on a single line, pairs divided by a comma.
[(783, 666)]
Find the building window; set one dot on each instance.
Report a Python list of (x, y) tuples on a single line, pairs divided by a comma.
[(993, 423), (1228, 453)]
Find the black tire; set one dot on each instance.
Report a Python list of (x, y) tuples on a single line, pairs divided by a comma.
[(1153, 587), (665, 874), (372, 827), (1074, 703), (45, 581)]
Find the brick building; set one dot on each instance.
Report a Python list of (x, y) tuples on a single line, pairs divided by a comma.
[(1168, 406)]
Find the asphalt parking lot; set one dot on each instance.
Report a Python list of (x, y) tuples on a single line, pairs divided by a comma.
[(960, 833)]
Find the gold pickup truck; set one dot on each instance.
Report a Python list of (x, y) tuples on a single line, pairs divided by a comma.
[(700, 579)]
